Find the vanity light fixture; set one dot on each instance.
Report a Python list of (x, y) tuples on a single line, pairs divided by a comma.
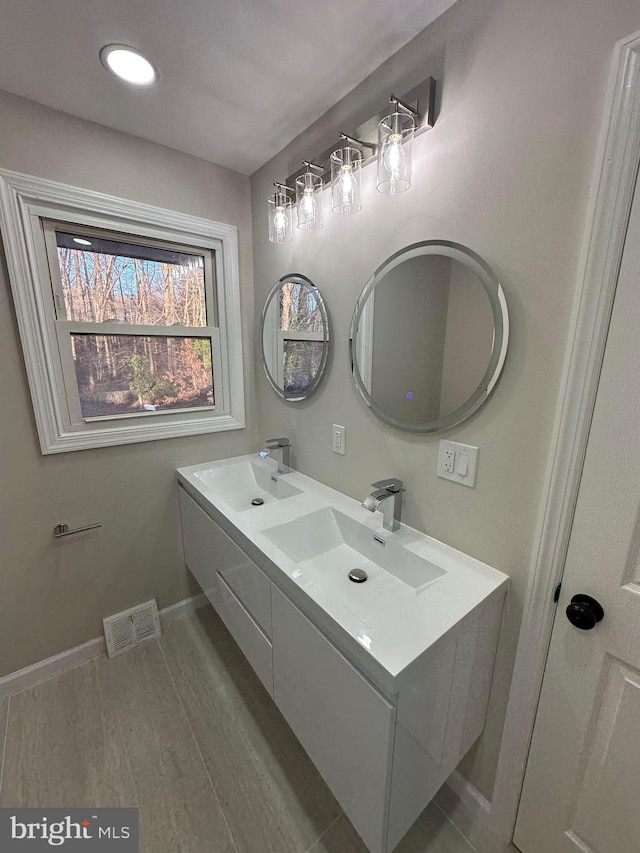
[(308, 189), (388, 135), (128, 64), (346, 166), (395, 135), (280, 214)]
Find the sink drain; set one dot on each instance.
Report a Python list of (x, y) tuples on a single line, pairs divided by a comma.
[(257, 502), (358, 575)]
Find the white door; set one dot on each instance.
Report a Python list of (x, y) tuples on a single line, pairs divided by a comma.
[(582, 785)]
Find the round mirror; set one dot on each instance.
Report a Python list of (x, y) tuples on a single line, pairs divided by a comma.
[(429, 336), (295, 337)]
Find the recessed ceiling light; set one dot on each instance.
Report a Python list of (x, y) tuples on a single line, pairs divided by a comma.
[(82, 241), (128, 64)]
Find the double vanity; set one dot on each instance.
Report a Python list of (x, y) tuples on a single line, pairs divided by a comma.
[(375, 641), (377, 646)]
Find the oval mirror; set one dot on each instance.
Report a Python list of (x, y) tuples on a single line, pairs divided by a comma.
[(429, 336), (294, 337)]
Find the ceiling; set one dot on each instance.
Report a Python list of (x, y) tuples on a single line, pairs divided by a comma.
[(239, 79)]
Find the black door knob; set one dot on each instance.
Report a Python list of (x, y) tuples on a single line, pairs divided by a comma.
[(584, 612)]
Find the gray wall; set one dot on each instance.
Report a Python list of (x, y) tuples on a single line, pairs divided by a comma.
[(410, 321), (506, 171), (53, 595), (468, 338)]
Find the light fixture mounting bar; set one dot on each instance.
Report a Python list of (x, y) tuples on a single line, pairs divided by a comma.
[(419, 101), (372, 145), (400, 103), (280, 186)]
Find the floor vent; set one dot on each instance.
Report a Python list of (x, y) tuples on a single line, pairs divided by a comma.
[(131, 627)]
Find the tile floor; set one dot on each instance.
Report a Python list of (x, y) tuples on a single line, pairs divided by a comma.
[(183, 730)]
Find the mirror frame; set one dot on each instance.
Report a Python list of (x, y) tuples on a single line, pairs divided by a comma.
[(296, 278), (498, 303)]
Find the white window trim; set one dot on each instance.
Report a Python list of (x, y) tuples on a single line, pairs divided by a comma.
[(21, 198)]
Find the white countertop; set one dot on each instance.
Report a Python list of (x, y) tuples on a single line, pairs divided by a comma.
[(385, 645)]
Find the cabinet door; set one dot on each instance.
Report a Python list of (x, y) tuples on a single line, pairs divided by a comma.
[(199, 547), (208, 550), (340, 719)]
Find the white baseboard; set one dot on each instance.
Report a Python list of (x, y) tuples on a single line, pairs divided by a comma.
[(469, 795), (470, 812), (45, 669), (183, 608)]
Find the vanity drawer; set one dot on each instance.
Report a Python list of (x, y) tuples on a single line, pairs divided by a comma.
[(250, 585), (253, 643), (340, 719), (209, 552)]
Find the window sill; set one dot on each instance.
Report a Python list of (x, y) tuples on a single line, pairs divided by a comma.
[(60, 441)]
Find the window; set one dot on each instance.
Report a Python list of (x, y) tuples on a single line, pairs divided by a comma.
[(136, 323), (137, 312)]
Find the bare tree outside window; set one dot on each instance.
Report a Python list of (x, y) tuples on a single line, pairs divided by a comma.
[(299, 309), (301, 364), (300, 312)]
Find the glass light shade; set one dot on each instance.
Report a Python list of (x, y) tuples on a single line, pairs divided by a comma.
[(395, 135), (346, 165), (308, 189), (280, 218)]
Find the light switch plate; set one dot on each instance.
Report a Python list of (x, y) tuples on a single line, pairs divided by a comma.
[(458, 462)]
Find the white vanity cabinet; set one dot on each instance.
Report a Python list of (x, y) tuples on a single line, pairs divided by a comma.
[(384, 745)]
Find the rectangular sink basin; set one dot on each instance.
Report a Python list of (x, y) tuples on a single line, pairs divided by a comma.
[(245, 481), (327, 545)]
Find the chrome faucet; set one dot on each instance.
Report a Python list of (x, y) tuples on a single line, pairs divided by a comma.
[(389, 494), (282, 448)]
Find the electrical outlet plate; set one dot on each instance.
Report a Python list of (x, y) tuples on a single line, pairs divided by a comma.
[(458, 462), (338, 442), (449, 462)]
